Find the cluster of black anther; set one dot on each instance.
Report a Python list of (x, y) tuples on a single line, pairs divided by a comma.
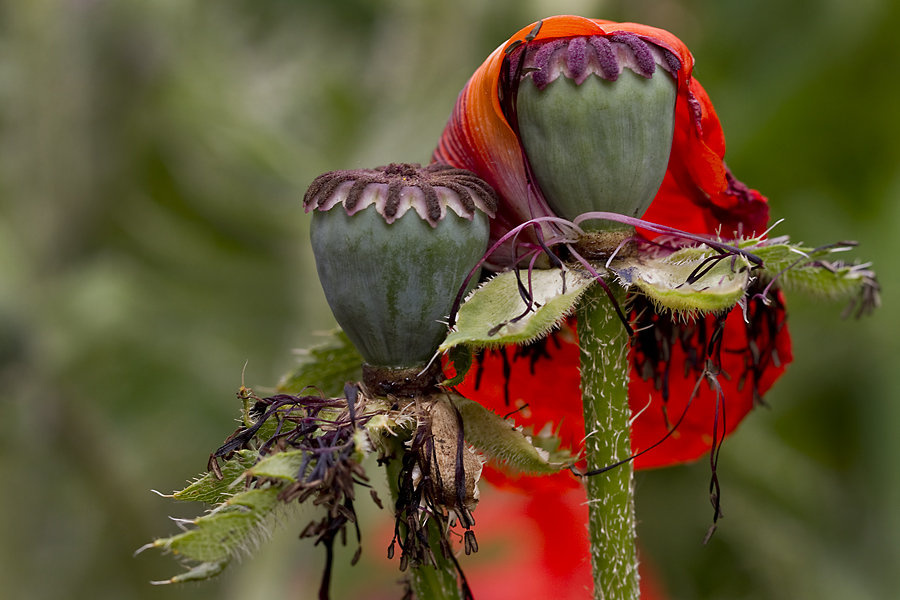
[(328, 471), (422, 519), (533, 352), (398, 176), (700, 340)]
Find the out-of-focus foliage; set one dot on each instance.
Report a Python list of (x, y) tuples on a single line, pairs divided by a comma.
[(153, 157)]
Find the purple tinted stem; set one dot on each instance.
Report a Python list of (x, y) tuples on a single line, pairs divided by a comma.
[(654, 227), (509, 235)]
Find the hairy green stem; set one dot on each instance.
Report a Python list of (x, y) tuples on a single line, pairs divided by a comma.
[(428, 582), (604, 385)]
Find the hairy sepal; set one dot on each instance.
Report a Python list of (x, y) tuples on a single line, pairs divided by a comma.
[(509, 446), (214, 490), (283, 466), (496, 314), (326, 367), (237, 525), (689, 282), (200, 572), (238, 521), (815, 271)]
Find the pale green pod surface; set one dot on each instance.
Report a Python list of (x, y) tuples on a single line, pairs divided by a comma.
[(599, 146), (392, 286), (596, 119)]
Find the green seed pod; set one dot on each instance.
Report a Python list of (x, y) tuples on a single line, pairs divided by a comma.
[(596, 118), (393, 246)]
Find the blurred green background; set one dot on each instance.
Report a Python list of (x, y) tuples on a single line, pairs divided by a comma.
[(153, 157)]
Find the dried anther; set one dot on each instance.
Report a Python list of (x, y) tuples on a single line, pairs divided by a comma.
[(324, 430), (471, 542), (437, 485), (396, 188)]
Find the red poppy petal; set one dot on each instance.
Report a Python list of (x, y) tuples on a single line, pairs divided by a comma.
[(479, 139), (536, 546), (544, 379), (753, 356), (698, 171), (676, 207)]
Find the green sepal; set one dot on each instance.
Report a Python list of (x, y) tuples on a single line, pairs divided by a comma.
[(550, 442), (833, 282), (326, 367), (814, 271), (508, 445), (461, 357), (493, 314), (281, 465), (717, 284), (212, 490), (234, 526), (779, 253), (202, 571)]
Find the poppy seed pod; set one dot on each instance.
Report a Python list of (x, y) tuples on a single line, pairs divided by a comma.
[(393, 246), (698, 194), (596, 118)]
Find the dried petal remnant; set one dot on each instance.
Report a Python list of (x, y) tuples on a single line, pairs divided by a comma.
[(455, 468)]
